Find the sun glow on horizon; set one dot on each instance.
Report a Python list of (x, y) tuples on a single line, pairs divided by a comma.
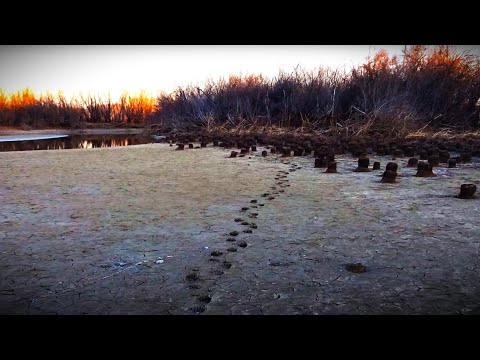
[(110, 71)]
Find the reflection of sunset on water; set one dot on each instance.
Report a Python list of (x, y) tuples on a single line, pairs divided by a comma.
[(76, 142)]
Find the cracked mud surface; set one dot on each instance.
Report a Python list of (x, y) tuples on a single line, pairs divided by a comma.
[(119, 231)]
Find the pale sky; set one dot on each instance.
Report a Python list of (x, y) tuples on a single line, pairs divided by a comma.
[(111, 69)]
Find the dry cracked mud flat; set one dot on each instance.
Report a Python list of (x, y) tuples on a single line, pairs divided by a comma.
[(149, 230)]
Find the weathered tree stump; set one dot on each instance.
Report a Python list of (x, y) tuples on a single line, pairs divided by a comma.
[(424, 170), (392, 167), (190, 146), (412, 162), (233, 154), (376, 165), (286, 151), (467, 191), (331, 168), (434, 160), (254, 148), (244, 151), (389, 177), (273, 150), (363, 163), (321, 162), (264, 153), (452, 163), (180, 147), (298, 152)]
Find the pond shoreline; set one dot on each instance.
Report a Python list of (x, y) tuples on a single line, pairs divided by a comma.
[(96, 131)]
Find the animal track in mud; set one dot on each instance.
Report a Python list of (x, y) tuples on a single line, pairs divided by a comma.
[(205, 298), (198, 309), (218, 256), (192, 276)]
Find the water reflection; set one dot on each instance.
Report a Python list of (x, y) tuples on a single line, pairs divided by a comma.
[(76, 142)]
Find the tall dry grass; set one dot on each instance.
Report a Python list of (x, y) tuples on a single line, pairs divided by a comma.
[(437, 87), (25, 110)]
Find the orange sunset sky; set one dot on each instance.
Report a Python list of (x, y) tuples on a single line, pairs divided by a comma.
[(105, 69)]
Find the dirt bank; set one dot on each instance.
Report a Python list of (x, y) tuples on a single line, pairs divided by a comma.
[(116, 231)]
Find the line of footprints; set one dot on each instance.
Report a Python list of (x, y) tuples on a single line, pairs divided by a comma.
[(233, 243)]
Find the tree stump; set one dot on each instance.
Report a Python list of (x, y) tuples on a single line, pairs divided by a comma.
[(215, 142), (392, 167), (233, 154), (254, 148), (321, 162), (203, 144), (363, 163), (434, 160), (286, 151), (424, 170), (467, 191), (180, 147), (412, 162), (298, 152), (376, 165), (331, 168), (264, 153), (190, 146), (389, 177)]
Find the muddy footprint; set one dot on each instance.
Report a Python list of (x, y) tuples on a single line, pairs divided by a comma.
[(205, 298), (197, 309)]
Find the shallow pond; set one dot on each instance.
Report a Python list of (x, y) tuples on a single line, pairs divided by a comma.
[(53, 142)]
